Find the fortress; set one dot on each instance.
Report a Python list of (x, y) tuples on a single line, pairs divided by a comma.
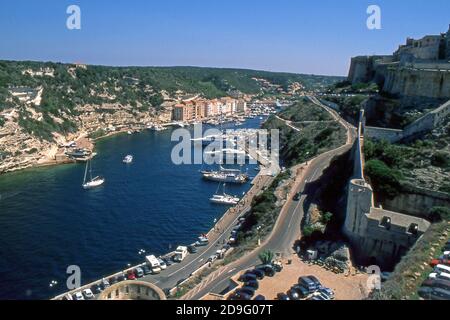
[(378, 236), (419, 68)]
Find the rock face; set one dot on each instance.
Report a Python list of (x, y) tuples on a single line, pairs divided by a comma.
[(420, 68)]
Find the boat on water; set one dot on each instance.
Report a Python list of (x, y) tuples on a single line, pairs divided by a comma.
[(224, 198), (92, 182), (128, 159), (225, 175)]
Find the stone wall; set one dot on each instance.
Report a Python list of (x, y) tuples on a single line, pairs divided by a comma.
[(424, 124), (417, 201), (374, 241), (410, 82), (387, 134)]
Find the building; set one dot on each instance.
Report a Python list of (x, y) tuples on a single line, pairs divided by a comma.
[(420, 69), (182, 112)]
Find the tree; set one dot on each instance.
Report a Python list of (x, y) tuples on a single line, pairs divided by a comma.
[(327, 216), (266, 257)]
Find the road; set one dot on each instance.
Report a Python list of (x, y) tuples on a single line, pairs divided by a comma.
[(287, 229)]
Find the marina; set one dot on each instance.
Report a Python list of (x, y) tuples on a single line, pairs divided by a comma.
[(102, 230)]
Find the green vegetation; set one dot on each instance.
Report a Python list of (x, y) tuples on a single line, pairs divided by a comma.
[(71, 86), (266, 257), (409, 163), (349, 105), (385, 181), (312, 139), (305, 110)]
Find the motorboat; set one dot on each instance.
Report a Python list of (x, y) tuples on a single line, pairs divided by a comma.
[(128, 159)]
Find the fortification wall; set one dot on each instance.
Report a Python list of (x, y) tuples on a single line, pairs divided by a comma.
[(391, 135), (418, 83), (417, 201)]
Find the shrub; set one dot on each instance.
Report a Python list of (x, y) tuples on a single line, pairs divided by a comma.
[(386, 181)]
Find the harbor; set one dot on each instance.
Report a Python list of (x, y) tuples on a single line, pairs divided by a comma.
[(70, 222)]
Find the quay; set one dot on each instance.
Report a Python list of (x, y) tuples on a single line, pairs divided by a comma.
[(174, 275)]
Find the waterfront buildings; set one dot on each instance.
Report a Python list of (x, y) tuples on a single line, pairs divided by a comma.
[(200, 108)]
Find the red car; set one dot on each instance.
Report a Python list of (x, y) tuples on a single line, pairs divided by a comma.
[(435, 262), (131, 275)]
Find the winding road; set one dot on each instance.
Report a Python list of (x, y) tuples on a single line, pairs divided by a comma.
[(287, 228)]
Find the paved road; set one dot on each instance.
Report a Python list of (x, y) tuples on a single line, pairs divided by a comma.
[(288, 226)]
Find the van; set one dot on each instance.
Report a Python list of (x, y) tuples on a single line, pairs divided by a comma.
[(153, 263), (180, 254)]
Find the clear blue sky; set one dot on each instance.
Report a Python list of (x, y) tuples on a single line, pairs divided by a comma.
[(280, 35)]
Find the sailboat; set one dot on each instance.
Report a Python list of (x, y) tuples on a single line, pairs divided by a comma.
[(93, 182), (224, 198)]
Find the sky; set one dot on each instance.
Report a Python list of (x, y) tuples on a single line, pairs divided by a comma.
[(300, 36)]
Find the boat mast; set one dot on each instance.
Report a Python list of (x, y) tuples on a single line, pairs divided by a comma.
[(85, 173)]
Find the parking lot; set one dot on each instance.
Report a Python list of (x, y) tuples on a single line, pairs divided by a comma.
[(352, 287)]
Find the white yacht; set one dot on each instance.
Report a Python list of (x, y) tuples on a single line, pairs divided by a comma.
[(128, 159), (93, 182), (224, 199)]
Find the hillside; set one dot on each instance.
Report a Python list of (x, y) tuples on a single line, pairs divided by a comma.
[(45, 104)]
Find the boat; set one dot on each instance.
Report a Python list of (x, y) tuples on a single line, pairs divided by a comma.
[(128, 159), (224, 198), (93, 182), (225, 175)]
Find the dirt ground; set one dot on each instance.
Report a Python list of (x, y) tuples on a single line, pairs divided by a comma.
[(352, 287)]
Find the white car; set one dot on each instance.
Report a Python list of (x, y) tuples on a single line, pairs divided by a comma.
[(78, 296), (212, 258), (162, 264), (87, 293)]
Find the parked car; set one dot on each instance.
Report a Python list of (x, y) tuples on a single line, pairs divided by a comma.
[(240, 296), (301, 290), (247, 290), (169, 260), (162, 264), (327, 292), (316, 281), (307, 283), (78, 296), (192, 249), (293, 294), (105, 284), (436, 262), (259, 297), (258, 273), (277, 266), (88, 294), (437, 283), (147, 269), (267, 269), (139, 272), (247, 277), (429, 293), (113, 280), (97, 288), (297, 196), (283, 296), (212, 258), (67, 297), (131, 275), (252, 283)]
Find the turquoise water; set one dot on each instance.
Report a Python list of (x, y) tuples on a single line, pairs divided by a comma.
[(49, 222)]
